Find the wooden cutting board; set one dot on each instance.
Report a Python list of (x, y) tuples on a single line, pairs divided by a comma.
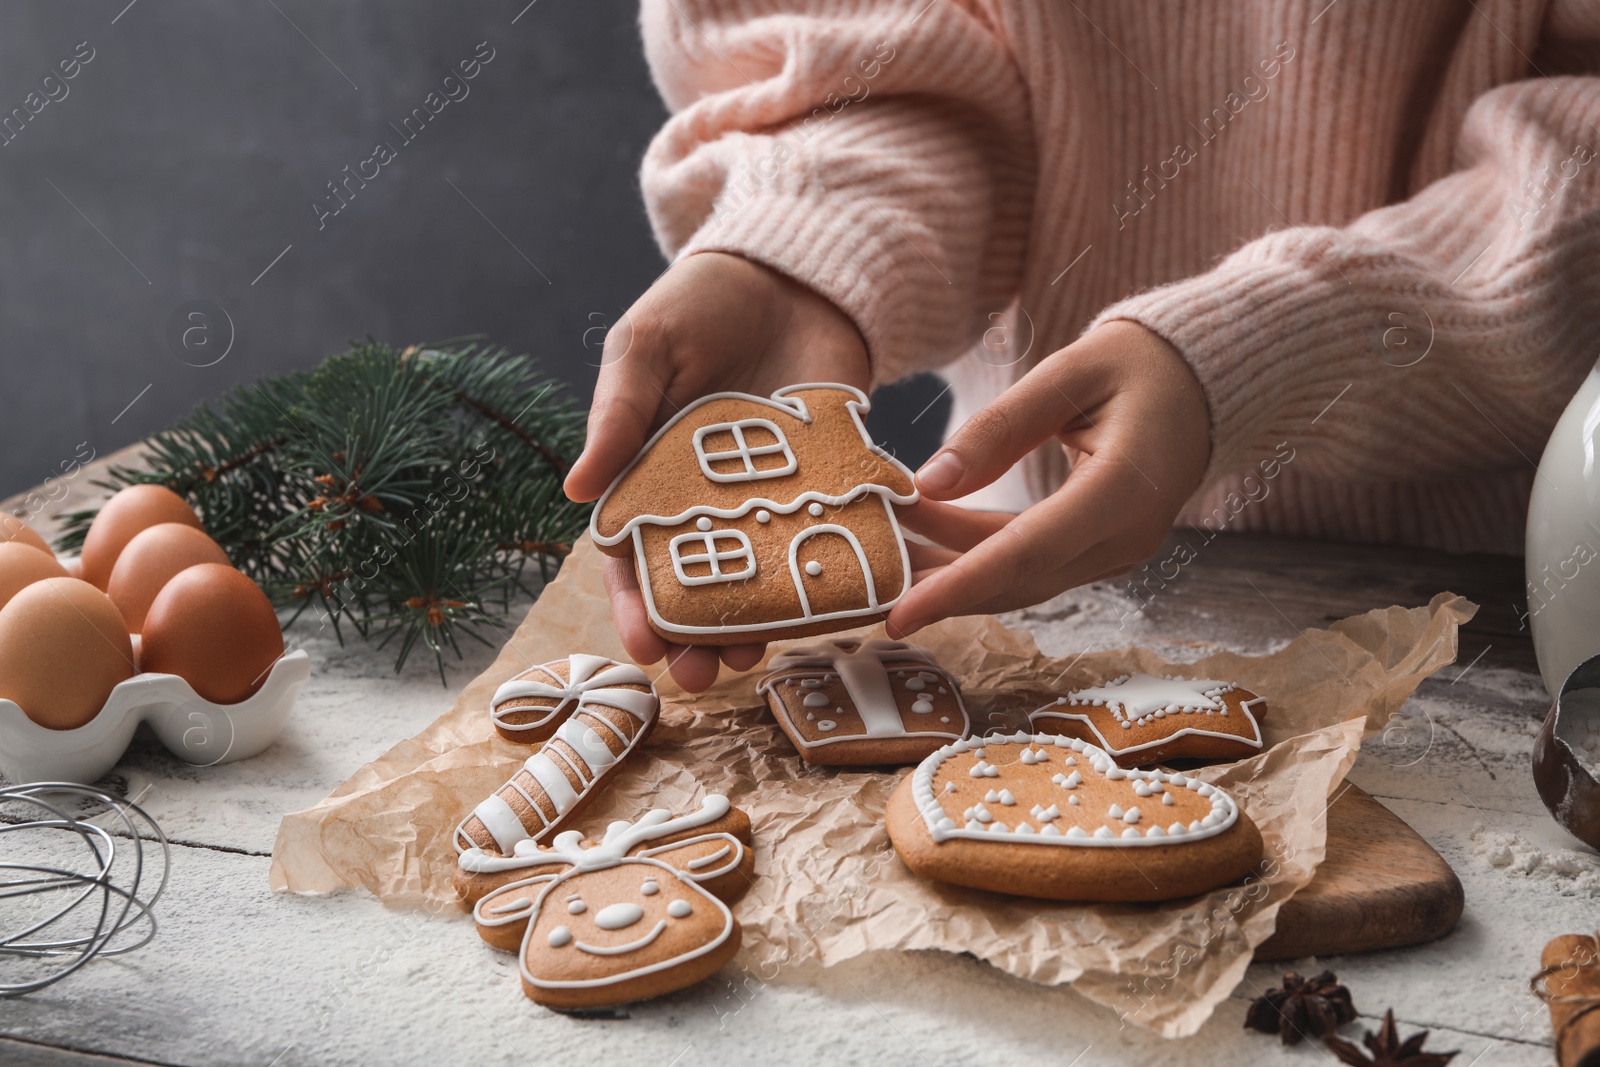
[(1381, 886)]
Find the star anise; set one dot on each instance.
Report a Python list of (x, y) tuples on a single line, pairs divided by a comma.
[(1388, 1050), (1304, 1007)]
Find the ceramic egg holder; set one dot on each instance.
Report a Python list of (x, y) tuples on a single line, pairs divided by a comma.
[(1566, 754), (193, 729)]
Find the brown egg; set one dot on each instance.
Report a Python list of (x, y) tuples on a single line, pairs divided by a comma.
[(21, 565), (131, 510), (214, 628), (14, 529), (151, 560), (63, 648)]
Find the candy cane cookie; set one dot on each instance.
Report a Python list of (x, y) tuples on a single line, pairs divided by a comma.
[(590, 713)]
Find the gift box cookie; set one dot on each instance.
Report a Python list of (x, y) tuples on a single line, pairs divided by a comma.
[(855, 703), (1145, 719), (760, 518)]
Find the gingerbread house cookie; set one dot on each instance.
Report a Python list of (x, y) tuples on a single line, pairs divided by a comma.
[(591, 714), (760, 518), (851, 702), (1144, 719), (640, 913), (1048, 816)]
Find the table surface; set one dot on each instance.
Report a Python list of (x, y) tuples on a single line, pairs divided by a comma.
[(238, 975)]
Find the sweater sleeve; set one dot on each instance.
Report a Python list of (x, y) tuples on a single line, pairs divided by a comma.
[(1438, 336), (878, 152)]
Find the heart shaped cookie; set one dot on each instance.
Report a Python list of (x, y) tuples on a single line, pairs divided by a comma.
[(1042, 815), (1145, 719)]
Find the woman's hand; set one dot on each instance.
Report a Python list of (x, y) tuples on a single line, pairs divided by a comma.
[(1129, 410), (711, 323)]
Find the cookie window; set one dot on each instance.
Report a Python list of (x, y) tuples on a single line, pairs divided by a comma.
[(743, 451), (712, 556)]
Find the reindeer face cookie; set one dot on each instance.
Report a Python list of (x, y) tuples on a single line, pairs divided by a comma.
[(1055, 817), (853, 703), (756, 518), (591, 713), (639, 914), (1142, 719)]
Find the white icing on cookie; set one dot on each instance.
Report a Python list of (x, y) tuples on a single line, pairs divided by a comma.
[(862, 668), (1142, 699), (593, 683), (568, 864), (941, 827), (791, 406)]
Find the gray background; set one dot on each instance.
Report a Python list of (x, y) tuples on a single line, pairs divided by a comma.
[(186, 156)]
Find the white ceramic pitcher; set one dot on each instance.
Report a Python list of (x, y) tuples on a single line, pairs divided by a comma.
[(1563, 545)]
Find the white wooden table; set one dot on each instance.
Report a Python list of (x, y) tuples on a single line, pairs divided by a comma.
[(240, 976)]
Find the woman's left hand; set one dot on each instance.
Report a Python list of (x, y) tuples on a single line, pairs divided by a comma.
[(1131, 412)]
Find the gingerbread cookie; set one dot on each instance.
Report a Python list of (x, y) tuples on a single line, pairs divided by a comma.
[(1040, 815), (1142, 719), (756, 519), (854, 703), (591, 713), (640, 913)]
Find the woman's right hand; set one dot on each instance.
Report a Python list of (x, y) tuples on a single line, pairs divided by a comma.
[(712, 323)]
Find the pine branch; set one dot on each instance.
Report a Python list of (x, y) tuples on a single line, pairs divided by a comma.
[(403, 493)]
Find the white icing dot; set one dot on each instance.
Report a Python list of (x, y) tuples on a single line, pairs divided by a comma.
[(1130, 832), (811, 683), (982, 769), (1073, 800), (679, 909), (1076, 831), (922, 706), (827, 724), (1072, 761), (560, 936), (944, 718), (1116, 811), (1024, 828), (1006, 798), (1050, 831), (650, 888), (577, 907), (816, 700), (618, 916), (1166, 798), (813, 568), (916, 685), (991, 797), (1141, 789), (1132, 816), (1177, 829), (703, 525), (816, 510), (1104, 832), (949, 787), (1155, 831), (763, 515)]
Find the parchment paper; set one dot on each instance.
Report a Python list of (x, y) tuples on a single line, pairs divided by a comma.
[(828, 885)]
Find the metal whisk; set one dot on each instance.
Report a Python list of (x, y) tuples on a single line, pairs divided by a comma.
[(89, 904)]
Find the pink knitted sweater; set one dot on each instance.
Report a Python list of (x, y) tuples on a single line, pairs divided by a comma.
[(1372, 227)]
